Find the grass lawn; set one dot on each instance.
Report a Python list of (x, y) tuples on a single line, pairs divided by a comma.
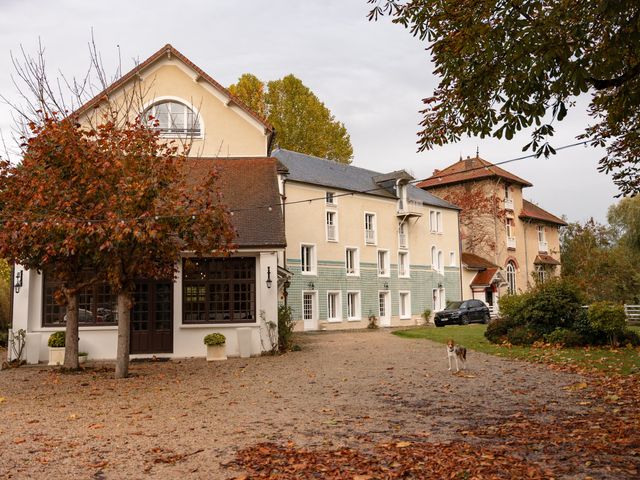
[(621, 360)]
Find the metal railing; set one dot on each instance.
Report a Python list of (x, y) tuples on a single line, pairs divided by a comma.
[(331, 233), (508, 203), (543, 246), (370, 236), (511, 242), (402, 240)]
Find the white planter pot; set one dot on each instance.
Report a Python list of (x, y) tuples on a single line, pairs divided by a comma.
[(56, 355), (216, 352)]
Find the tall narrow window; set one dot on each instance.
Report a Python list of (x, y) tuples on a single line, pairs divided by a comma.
[(307, 306), (383, 263), (370, 228), (439, 221), (403, 237), (433, 223), (333, 306), (308, 260), (352, 261), (511, 278), (330, 198), (353, 306), (434, 259), (541, 273), (332, 226), (405, 305), (403, 264), (440, 261), (452, 259)]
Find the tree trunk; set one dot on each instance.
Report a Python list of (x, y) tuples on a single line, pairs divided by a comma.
[(71, 333), (124, 333)]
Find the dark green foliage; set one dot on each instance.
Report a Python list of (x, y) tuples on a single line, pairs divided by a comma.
[(426, 315), (56, 339), (522, 335), (565, 337), (4, 338), (607, 320), (286, 325), (512, 305), (629, 337), (497, 330), (214, 340)]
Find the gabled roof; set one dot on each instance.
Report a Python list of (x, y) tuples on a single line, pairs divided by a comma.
[(531, 210), (249, 188), (169, 51), (544, 259), (471, 169), (486, 277), (476, 262), (327, 173)]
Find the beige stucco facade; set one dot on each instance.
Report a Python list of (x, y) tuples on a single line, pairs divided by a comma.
[(306, 225)]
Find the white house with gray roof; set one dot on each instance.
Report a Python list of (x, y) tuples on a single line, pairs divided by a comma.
[(365, 244)]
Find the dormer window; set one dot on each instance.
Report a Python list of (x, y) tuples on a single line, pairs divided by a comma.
[(173, 118)]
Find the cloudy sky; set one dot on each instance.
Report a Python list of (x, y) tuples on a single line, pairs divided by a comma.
[(371, 75)]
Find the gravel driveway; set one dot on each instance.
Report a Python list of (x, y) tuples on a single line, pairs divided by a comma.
[(188, 417)]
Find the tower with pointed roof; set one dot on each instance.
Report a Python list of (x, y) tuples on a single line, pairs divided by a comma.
[(520, 241)]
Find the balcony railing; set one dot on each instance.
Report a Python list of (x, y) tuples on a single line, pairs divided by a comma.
[(508, 203), (543, 246), (409, 207), (403, 241), (402, 270), (331, 233), (370, 236), (511, 242)]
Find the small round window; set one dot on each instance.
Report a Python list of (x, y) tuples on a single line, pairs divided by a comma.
[(173, 118)]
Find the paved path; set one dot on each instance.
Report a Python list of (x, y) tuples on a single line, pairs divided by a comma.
[(185, 418)]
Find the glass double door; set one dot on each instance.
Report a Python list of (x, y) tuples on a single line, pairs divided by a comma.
[(152, 317)]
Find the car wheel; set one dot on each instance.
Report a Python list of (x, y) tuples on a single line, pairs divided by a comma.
[(486, 319), (464, 320), (438, 324)]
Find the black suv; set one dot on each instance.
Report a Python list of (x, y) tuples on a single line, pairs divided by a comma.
[(462, 313)]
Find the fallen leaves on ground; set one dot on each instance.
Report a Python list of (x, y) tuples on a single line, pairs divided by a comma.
[(403, 459)]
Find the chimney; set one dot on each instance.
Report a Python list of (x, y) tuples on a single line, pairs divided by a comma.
[(468, 163), (435, 172)]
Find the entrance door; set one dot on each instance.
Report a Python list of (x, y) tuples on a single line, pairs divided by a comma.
[(152, 317), (309, 310), (384, 309)]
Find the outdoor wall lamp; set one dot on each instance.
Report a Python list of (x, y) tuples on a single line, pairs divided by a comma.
[(18, 282), (386, 286), (269, 281), (311, 286)]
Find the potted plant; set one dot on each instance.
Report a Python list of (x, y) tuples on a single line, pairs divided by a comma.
[(216, 349), (82, 357), (56, 348)]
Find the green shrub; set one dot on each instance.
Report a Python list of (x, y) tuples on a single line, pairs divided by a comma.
[(4, 338), (286, 325), (215, 340), (629, 337), (497, 330), (426, 315), (5, 301), (512, 306), (607, 319), (56, 339), (565, 337), (522, 335)]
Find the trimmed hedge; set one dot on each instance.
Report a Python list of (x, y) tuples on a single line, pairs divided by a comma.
[(214, 340), (56, 339)]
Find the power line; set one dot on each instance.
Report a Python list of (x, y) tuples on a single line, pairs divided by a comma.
[(65, 217)]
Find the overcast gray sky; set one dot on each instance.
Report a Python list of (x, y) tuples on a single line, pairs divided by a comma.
[(371, 75)]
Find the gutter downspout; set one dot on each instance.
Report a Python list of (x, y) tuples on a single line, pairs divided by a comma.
[(526, 253), (460, 258)]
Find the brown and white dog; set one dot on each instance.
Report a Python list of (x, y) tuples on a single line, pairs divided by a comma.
[(457, 352)]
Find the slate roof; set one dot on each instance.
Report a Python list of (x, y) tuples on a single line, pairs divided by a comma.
[(468, 170), (531, 210), (319, 171), (249, 186)]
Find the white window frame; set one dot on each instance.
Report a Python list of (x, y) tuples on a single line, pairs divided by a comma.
[(511, 278), (330, 202), (434, 258), (452, 259), (440, 261), (541, 273), (357, 305), (149, 109), (334, 215), (433, 223), (356, 260), (406, 264), (314, 259), (439, 222), (314, 304), (338, 306), (406, 304), (387, 263), (374, 228), (403, 229), (542, 234), (438, 296)]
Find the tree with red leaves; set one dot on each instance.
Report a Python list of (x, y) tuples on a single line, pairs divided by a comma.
[(111, 202)]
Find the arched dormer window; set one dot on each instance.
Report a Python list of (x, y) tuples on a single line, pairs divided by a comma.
[(173, 118), (511, 278)]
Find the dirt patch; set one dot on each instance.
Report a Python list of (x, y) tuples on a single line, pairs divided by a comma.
[(189, 417)]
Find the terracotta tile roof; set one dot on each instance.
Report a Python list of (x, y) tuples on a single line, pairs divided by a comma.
[(469, 170), (473, 261), (169, 50), (531, 210), (484, 278), (249, 186), (544, 259)]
